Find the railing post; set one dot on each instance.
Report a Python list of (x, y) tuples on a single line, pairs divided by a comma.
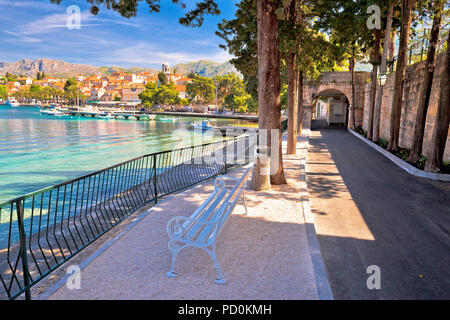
[(225, 156), (23, 250), (154, 179)]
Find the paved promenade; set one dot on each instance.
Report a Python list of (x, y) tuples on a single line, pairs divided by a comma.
[(264, 255), (369, 212)]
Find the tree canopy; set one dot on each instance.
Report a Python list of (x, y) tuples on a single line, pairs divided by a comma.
[(164, 94), (129, 8), (201, 90)]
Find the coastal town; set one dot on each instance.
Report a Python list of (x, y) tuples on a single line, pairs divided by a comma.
[(118, 88)]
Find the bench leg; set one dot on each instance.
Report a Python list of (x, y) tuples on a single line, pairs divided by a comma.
[(243, 199), (220, 278), (172, 273)]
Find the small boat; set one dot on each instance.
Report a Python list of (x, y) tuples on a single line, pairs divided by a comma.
[(202, 126), (44, 111), (58, 113), (168, 119), (51, 112), (12, 103)]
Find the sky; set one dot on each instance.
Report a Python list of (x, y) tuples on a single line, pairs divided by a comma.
[(34, 29)]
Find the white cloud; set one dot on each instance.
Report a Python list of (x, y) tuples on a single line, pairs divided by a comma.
[(47, 23), (26, 4), (144, 54)]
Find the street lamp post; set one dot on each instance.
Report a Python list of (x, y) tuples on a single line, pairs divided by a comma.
[(382, 78)]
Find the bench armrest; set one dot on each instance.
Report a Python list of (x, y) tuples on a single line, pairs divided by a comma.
[(219, 182), (175, 225)]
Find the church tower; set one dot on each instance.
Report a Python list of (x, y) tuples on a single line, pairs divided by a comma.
[(166, 68)]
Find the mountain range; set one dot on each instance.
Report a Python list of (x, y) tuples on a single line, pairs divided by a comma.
[(58, 68)]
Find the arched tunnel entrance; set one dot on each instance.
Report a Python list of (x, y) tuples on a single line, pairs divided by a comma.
[(330, 108)]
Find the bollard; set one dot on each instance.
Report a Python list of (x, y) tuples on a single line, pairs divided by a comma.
[(261, 170)]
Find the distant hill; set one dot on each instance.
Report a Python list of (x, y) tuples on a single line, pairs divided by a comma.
[(206, 68), (109, 70), (62, 69), (52, 67)]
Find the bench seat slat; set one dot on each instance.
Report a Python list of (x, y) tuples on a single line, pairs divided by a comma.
[(192, 231), (198, 213)]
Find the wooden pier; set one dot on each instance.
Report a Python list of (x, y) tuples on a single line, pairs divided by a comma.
[(115, 115)]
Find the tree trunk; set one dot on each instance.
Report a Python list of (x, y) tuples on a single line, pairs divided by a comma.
[(392, 50), (407, 6), (374, 80), (269, 85), (292, 104), (421, 117), (379, 95), (353, 107), (300, 102), (440, 132)]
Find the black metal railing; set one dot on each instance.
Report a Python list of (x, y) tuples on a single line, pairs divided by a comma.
[(42, 230)]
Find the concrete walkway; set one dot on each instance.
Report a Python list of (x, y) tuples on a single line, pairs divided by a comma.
[(369, 212), (264, 255)]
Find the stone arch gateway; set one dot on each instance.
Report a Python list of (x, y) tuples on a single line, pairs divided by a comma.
[(338, 82)]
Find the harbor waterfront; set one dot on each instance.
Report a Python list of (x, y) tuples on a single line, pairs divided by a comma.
[(39, 150)]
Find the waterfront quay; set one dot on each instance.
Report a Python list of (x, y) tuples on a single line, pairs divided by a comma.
[(209, 115)]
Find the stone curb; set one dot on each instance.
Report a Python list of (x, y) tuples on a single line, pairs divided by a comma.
[(403, 164), (320, 273)]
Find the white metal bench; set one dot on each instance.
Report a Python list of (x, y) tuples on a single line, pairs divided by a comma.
[(204, 226)]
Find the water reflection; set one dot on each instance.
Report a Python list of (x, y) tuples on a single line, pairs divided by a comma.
[(37, 150)]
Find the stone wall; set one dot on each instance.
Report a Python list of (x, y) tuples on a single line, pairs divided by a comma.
[(411, 97), (341, 81)]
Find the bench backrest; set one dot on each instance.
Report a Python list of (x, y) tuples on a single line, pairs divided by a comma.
[(230, 202)]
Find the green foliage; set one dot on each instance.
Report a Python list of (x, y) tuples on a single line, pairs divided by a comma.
[(164, 94), (445, 167), (421, 163), (48, 93), (383, 143), (346, 23), (238, 99), (240, 36), (3, 92), (201, 90), (284, 96), (129, 8), (163, 80), (70, 84), (402, 154), (361, 131), (315, 53), (35, 88), (10, 77), (191, 75)]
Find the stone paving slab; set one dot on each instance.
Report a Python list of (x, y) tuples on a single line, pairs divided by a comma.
[(264, 255)]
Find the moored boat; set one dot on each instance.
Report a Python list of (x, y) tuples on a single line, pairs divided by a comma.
[(168, 119), (12, 103), (202, 126)]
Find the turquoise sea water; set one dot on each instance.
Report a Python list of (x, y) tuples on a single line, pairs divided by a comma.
[(37, 151)]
